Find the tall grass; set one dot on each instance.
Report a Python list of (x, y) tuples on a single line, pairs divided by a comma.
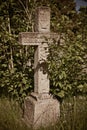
[(73, 115), (11, 116)]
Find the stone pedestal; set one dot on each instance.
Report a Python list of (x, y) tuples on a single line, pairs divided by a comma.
[(41, 110)]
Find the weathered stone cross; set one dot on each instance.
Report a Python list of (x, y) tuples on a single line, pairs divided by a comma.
[(42, 28), (40, 108)]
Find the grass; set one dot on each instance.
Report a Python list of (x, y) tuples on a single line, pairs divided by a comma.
[(11, 116), (73, 115)]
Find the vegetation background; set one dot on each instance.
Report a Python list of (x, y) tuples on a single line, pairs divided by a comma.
[(67, 61)]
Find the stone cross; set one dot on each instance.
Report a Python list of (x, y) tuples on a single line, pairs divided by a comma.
[(40, 109), (37, 38)]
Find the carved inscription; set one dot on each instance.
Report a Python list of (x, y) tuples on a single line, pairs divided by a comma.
[(44, 22), (36, 38)]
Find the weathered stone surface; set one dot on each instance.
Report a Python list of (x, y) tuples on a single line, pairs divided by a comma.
[(41, 80), (41, 112), (36, 38), (40, 109), (42, 21)]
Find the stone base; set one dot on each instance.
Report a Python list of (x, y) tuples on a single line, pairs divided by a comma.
[(41, 112)]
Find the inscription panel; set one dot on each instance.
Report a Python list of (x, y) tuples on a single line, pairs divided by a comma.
[(42, 20), (36, 38)]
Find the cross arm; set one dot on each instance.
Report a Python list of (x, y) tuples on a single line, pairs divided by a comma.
[(35, 38)]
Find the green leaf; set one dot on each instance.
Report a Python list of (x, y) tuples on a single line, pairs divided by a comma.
[(61, 94)]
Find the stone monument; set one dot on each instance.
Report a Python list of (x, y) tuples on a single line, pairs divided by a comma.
[(40, 108)]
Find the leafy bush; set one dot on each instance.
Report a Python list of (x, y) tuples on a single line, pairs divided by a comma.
[(67, 66), (67, 60), (15, 74), (66, 73)]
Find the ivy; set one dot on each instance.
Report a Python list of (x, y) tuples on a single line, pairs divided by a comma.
[(67, 60)]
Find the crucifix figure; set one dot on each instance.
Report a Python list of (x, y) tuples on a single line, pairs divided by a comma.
[(41, 80)]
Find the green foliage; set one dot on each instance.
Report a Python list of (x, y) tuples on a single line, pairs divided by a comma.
[(67, 60), (15, 73), (67, 67)]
